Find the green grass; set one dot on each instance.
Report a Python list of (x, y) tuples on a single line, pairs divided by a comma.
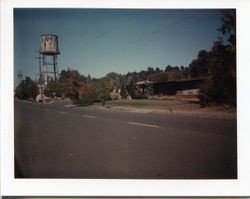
[(142, 103)]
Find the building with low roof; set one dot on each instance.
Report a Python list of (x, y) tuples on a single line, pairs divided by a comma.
[(177, 87)]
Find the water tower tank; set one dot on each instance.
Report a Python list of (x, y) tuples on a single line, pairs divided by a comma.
[(49, 44)]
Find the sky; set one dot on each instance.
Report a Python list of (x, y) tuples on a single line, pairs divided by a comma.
[(98, 41)]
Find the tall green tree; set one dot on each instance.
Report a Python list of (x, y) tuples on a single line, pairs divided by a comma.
[(199, 67), (26, 89), (220, 86), (112, 81), (88, 93), (228, 26), (69, 83), (158, 77), (103, 92)]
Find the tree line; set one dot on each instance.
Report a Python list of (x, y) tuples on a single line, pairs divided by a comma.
[(217, 67), (86, 90)]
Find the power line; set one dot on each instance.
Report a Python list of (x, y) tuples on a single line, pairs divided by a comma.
[(164, 28)]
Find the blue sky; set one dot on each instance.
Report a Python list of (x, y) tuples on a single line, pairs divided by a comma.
[(99, 41)]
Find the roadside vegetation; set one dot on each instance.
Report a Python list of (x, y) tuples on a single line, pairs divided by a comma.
[(27, 89), (143, 103), (217, 67)]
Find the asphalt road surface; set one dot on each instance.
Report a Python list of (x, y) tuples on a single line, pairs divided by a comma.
[(56, 141)]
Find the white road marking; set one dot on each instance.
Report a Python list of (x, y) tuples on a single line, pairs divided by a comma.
[(142, 124), (89, 116), (62, 112)]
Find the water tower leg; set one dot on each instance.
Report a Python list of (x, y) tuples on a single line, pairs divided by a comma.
[(55, 67), (44, 71)]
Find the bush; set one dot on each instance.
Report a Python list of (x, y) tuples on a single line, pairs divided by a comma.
[(87, 93), (27, 89), (140, 96)]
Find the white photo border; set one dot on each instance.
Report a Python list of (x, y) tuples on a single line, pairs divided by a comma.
[(97, 187)]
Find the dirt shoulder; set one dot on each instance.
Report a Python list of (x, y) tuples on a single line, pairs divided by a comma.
[(189, 109), (167, 106)]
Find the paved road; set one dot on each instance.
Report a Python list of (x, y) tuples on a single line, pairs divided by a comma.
[(54, 141)]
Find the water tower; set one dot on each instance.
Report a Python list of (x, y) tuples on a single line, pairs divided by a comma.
[(48, 50)]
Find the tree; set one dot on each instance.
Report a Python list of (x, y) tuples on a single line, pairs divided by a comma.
[(87, 93), (131, 88), (103, 94), (220, 85), (151, 70), (158, 70), (158, 77), (142, 75), (69, 83), (200, 66), (229, 24), (112, 81), (174, 75), (123, 89), (168, 68), (185, 72), (26, 89), (53, 89)]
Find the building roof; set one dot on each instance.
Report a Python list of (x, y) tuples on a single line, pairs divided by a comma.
[(144, 82)]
